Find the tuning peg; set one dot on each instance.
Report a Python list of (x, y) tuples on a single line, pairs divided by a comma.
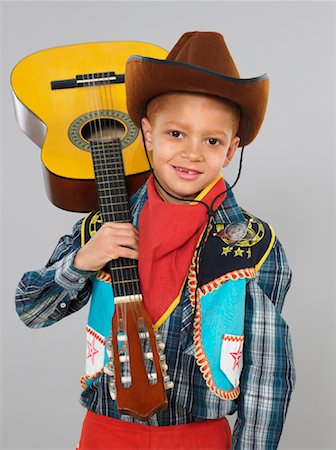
[(144, 335), (152, 376), (169, 385), (158, 337), (112, 390), (109, 367), (109, 343), (161, 346), (126, 381), (108, 371), (110, 363), (148, 355), (164, 367)]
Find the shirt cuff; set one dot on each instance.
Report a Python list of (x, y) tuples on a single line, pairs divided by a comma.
[(68, 276)]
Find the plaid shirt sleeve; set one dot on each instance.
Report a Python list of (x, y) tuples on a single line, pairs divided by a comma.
[(45, 296), (268, 375)]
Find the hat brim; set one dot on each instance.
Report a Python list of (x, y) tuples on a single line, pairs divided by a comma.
[(146, 78)]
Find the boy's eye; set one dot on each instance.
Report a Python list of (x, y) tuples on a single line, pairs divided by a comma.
[(175, 133), (213, 141)]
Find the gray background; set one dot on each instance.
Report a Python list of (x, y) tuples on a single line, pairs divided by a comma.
[(287, 180)]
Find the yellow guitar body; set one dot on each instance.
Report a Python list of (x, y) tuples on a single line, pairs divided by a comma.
[(61, 121)]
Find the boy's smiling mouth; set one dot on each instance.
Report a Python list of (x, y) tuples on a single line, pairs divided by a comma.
[(185, 172)]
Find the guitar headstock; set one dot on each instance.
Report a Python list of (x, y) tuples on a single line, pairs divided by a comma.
[(137, 364)]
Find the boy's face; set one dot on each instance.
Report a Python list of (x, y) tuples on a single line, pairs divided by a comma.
[(191, 138)]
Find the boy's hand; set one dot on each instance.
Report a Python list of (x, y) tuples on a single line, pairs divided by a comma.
[(113, 240)]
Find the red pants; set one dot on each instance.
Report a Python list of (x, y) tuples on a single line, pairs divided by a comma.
[(104, 433)]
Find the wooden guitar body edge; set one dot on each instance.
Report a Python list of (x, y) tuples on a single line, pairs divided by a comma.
[(32, 126), (80, 195)]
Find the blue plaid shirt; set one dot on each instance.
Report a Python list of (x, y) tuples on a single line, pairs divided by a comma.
[(47, 295)]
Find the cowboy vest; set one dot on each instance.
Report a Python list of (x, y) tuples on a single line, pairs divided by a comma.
[(210, 314)]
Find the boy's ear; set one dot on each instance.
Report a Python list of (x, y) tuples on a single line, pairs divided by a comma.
[(231, 151), (147, 130)]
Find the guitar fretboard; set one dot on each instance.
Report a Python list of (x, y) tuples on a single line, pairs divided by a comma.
[(114, 207)]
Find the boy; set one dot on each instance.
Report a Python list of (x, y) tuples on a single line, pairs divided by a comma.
[(219, 273)]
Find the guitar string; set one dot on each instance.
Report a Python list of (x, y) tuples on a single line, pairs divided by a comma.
[(132, 272), (117, 190), (111, 216), (106, 168), (120, 187), (120, 193), (105, 161), (135, 306), (96, 154), (134, 285)]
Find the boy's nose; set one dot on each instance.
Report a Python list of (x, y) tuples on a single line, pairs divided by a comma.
[(192, 151)]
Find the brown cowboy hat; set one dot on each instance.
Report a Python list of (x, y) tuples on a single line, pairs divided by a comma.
[(199, 62)]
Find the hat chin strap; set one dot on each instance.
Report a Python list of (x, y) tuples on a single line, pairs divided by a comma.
[(210, 210)]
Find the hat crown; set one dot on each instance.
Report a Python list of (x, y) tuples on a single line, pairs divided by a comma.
[(204, 49), (199, 62)]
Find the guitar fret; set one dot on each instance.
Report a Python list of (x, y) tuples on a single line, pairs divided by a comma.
[(109, 168), (136, 280), (109, 199), (108, 178), (115, 191), (105, 145), (117, 212), (114, 195), (103, 155), (108, 164), (107, 157), (121, 194), (106, 184), (115, 203), (109, 161), (124, 267), (114, 218)]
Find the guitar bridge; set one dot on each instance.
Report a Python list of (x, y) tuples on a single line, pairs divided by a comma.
[(88, 80)]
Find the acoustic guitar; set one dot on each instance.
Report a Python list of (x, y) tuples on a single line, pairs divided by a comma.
[(71, 102), (61, 96)]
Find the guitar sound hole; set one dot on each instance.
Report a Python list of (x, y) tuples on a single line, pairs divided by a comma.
[(103, 129)]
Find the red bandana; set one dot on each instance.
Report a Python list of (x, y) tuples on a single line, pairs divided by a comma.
[(168, 235)]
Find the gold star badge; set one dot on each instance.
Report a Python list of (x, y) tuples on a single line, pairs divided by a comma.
[(239, 252), (226, 250)]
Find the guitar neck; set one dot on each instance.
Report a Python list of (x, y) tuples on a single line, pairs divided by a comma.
[(114, 207), (142, 392)]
